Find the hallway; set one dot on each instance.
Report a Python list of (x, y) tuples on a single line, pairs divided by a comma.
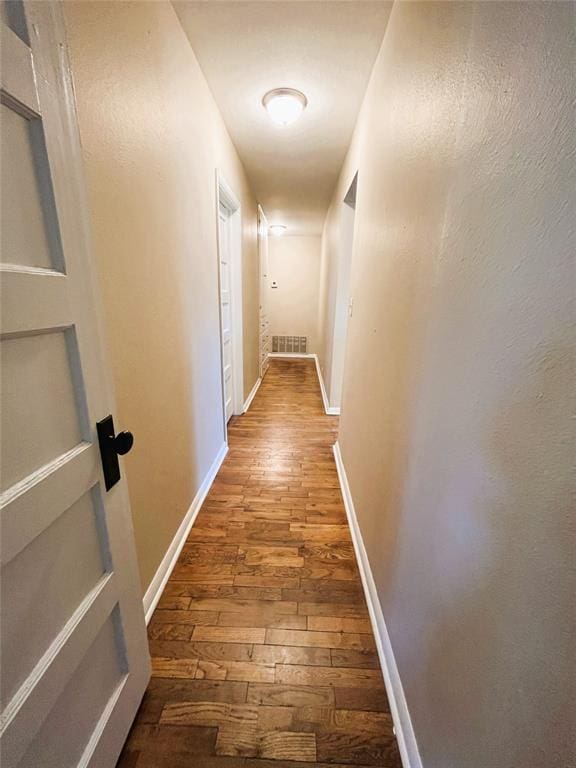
[(287, 355), (261, 643)]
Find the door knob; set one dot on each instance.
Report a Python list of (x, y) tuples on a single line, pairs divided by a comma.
[(112, 446), (123, 442)]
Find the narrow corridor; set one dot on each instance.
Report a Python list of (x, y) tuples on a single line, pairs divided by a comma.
[(261, 643)]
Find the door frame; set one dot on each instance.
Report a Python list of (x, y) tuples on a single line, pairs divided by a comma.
[(226, 198), (262, 287)]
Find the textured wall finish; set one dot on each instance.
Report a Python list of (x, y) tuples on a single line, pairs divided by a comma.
[(294, 263), (152, 139), (457, 427)]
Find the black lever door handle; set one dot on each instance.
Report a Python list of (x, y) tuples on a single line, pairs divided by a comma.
[(112, 446), (123, 442)]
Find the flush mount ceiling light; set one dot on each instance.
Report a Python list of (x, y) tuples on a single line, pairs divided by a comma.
[(277, 229), (284, 105)]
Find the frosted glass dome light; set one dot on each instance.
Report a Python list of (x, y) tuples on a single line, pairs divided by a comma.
[(277, 229), (284, 105)]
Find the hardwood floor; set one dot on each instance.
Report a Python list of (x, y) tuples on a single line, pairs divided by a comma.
[(262, 651)]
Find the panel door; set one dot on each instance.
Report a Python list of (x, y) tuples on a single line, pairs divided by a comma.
[(224, 256), (264, 337), (74, 652)]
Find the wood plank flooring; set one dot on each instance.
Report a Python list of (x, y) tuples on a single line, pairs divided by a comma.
[(262, 651)]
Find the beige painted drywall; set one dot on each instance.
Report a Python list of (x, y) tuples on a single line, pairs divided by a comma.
[(457, 428), (294, 264), (152, 138)]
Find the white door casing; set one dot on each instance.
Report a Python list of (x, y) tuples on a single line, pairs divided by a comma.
[(75, 660), (264, 335), (230, 297), (226, 312)]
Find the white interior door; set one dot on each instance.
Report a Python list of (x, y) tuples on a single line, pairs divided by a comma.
[(224, 255), (74, 651), (264, 337)]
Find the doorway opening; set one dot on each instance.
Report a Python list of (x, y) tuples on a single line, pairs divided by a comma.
[(230, 298), (344, 301)]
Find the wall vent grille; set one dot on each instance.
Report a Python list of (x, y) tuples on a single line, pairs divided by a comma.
[(290, 344)]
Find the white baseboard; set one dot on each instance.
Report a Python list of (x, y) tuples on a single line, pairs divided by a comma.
[(166, 567), (401, 716), (291, 354), (252, 394), (330, 410)]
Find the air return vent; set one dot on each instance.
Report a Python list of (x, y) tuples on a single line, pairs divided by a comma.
[(289, 345)]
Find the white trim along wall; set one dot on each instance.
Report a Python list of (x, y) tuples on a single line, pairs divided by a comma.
[(154, 591), (330, 410), (400, 715), (252, 394)]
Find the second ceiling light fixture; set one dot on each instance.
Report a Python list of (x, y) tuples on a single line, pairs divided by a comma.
[(284, 106)]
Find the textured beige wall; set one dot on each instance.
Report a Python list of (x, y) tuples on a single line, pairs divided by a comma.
[(152, 138), (457, 428), (294, 262)]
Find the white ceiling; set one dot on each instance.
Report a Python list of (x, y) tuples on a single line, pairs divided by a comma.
[(325, 48)]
